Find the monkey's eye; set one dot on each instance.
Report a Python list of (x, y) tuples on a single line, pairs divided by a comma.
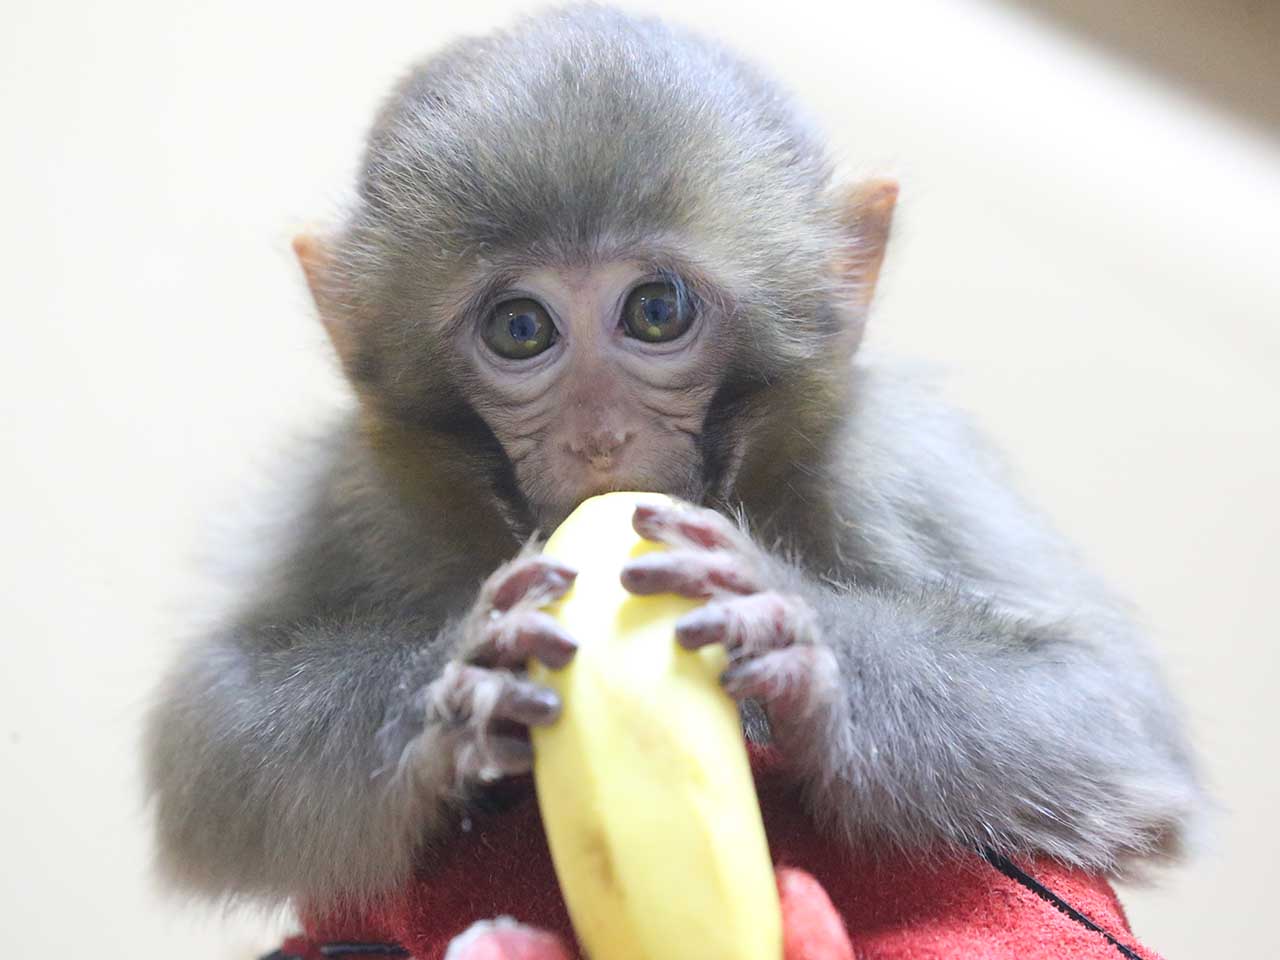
[(519, 329), (655, 312)]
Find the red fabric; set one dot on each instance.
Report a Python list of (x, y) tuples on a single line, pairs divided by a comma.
[(947, 907)]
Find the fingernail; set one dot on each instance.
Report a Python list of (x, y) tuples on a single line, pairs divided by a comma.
[(635, 569), (544, 703), (560, 577), (551, 585), (560, 650), (557, 586), (646, 518), (700, 627), (638, 574)]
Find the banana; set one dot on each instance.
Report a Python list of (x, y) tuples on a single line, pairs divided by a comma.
[(643, 782)]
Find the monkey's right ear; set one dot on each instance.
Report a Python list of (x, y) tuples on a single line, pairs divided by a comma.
[(317, 264), (866, 213)]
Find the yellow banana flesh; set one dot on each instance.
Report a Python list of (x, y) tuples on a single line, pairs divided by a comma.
[(643, 782)]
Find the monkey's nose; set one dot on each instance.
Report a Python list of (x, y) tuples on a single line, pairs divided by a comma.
[(600, 449)]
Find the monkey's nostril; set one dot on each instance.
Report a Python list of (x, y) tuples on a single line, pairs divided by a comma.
[(599, 444), (600, 449)]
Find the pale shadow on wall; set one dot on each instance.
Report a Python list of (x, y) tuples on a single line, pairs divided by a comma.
[(1226, 51)]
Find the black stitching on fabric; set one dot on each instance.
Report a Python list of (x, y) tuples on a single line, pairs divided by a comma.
[(1010, 870)]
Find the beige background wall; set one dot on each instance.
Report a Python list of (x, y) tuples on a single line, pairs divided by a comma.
[(1087, 247)]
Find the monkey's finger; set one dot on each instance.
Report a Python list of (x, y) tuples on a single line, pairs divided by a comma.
[(749, 625), (471, 696), (686, 526), (504, 939), (811, 926), (690, 573), (790, 682), (535, 579), (513, 638), (493, 758), (526, 703)]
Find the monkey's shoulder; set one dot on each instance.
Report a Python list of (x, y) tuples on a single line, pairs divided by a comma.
[(928, 495)]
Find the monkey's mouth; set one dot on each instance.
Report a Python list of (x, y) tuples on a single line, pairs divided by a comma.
[(553, 486), (552, 511), (594, 483)]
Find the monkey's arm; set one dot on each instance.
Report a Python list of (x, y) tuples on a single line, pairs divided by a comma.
[(314, 758), (952, 719), (266, 767), (992, 690)]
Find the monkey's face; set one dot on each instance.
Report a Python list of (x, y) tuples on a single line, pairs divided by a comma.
[(670, 247), (594, 378)]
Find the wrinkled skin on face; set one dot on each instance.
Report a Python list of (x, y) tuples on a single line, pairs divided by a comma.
[(599, 409)]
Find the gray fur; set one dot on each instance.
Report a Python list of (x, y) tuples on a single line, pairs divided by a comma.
[(992, 691), (995, 694)]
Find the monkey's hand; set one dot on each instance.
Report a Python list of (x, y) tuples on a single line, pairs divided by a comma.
[(777, 657), (472, 720), (505, 939)]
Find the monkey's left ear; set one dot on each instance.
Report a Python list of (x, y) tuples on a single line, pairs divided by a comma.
[(866, 212), (317, 264)]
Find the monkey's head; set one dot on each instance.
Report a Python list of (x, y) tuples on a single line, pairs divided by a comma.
[(587, 249)]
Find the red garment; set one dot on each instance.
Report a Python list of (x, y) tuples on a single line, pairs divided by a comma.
[(958, 906)]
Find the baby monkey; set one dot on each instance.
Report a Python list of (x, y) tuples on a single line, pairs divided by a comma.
[(592, 253)]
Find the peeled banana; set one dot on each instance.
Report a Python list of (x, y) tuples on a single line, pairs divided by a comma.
[(643, 782)]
